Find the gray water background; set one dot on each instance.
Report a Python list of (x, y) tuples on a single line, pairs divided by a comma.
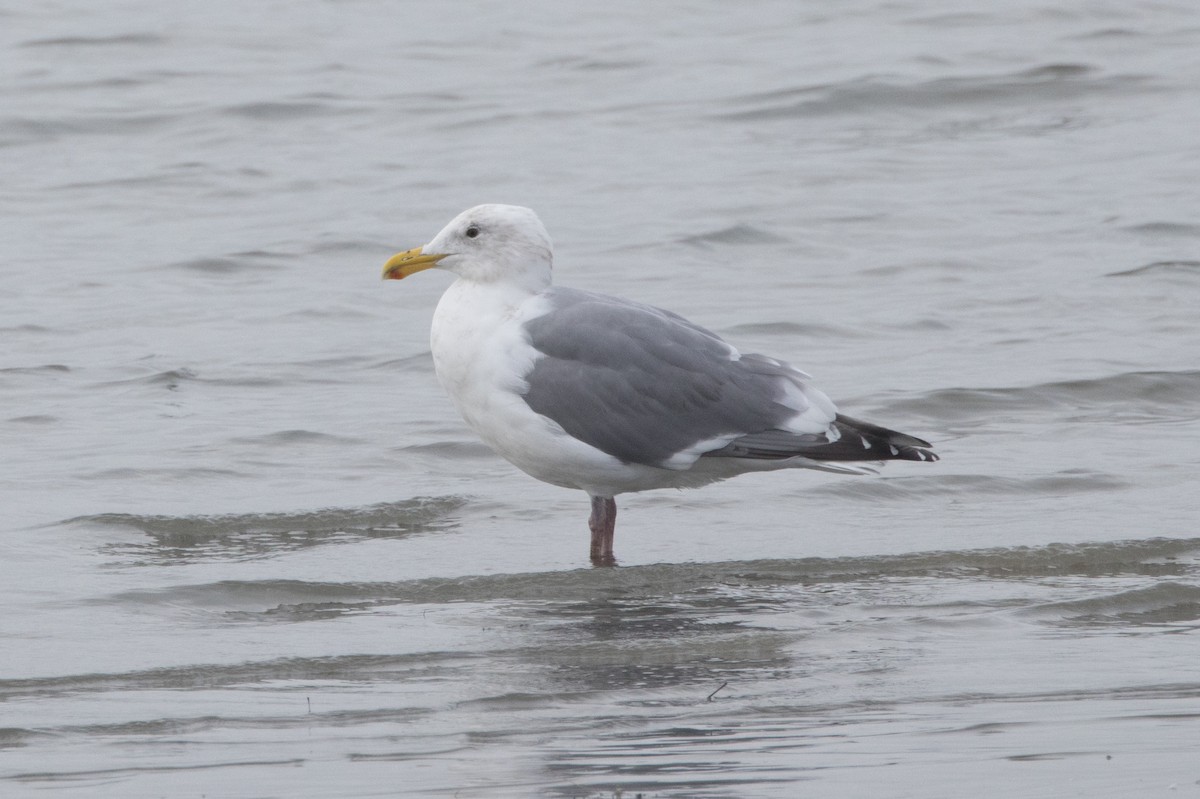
[(247, 549)]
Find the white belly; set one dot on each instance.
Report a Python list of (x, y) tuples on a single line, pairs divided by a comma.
[(481, 356)]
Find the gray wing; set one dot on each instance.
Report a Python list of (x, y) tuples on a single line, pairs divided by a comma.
[(643, 384)]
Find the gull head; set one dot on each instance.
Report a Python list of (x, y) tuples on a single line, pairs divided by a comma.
[(484, 244)]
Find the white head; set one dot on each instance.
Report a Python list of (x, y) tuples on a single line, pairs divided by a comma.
[(484, 244)]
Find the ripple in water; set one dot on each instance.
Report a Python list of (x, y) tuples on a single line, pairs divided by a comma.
[(187, 539)]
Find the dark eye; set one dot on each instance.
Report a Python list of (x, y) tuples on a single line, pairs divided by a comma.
[(472, 232)]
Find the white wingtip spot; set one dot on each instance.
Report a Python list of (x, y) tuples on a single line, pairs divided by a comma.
[(892, 447), (866, 444)]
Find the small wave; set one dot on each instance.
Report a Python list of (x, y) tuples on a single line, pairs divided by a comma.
[(293, 437), (18, 131), (107, 185), (175, 539), (47, 368), (954, 19), (1049, 83), (1106, 33), (171, 379), (13, 737), (141, 475), (128, 772), (1167, 603), (735, 234), (793, 329), (364, 667), (455, 450), (945, 270), (27, 328), (341, 311), (343, 246), (418, 362), (123, 39), (1172, 268), (299, 601), (222, 266), (101, 125), (590, 64), (174, 379), (327, 364), (895, 488), (918, 324), (284, 110), (1159, 229), (1171, 393)]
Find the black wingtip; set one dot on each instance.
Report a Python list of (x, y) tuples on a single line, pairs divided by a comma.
[(880, 443), (855, 440)]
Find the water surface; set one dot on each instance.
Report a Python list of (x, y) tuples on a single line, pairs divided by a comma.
[(249, 550)]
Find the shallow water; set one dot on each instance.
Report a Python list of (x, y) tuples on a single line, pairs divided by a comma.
[(249, 550)]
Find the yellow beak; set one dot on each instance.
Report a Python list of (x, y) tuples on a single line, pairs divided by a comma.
[(409, 262)]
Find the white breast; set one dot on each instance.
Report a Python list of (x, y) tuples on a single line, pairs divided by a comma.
[(481, 355)]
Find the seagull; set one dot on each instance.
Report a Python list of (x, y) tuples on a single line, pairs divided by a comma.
[(606, 395)]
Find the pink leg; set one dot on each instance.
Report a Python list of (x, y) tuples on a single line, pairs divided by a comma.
[(603, 524)]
